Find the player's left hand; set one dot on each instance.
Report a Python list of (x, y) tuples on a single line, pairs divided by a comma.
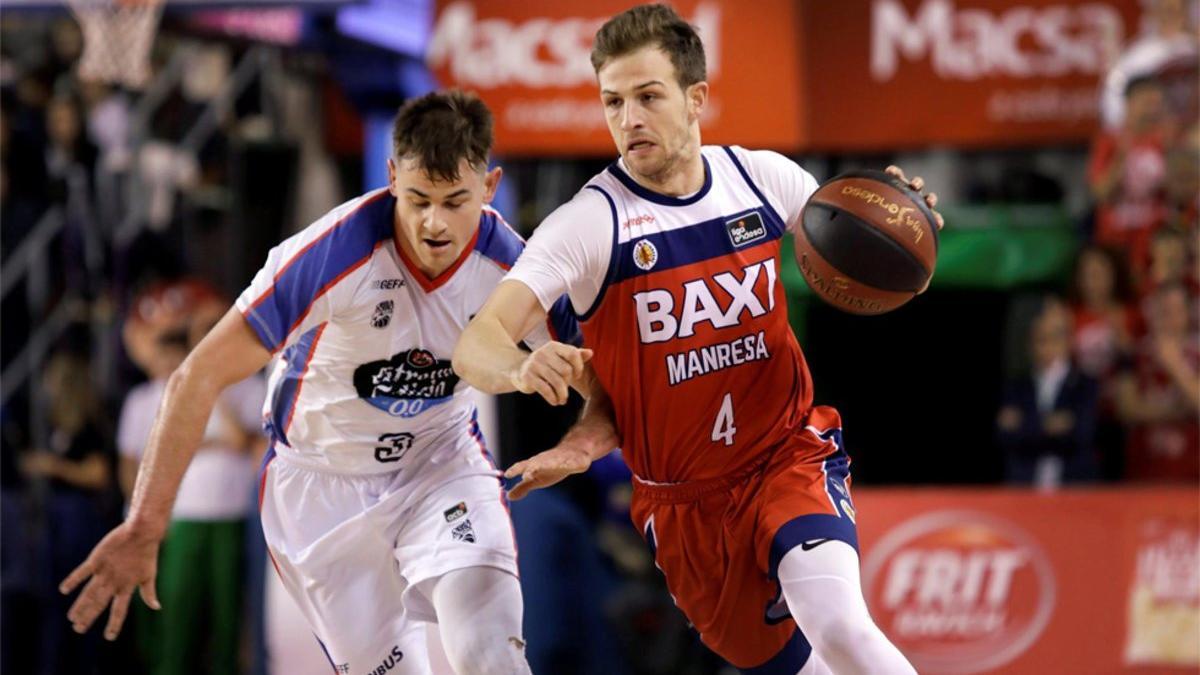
[(918, 184), (125, 560), (547, 468)]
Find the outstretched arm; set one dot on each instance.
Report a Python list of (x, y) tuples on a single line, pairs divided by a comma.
[(127, 557), (487, 355), (592, 437)]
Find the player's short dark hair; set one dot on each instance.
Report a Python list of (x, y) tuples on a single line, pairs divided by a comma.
[(656, 25), (442, 128), (1147, 81)]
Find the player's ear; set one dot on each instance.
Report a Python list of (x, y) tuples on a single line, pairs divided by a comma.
[(392, 178), (697, 98), (491, 181)]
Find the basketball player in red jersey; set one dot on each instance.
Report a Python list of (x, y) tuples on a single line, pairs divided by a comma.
[(670, 258)]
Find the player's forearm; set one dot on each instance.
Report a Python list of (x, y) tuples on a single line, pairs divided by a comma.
[(190, 396), (487, 357), (596, 430)]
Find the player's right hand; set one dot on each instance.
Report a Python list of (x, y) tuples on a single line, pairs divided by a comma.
[(549, 371), (124, 559)]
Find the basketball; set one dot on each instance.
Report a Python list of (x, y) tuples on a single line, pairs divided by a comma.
[(867, 242)]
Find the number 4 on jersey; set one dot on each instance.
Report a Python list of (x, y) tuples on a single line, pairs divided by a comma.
[(723, 429)]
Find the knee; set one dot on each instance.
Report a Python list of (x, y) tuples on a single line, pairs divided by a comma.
[(488, 653)]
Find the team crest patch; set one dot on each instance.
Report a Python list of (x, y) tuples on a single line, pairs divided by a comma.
[(644, 254), (464, 532), (746, 229), (455, 512), (383, 314)]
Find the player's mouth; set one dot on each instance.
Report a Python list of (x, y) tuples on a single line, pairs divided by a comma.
[(436, 244), (639, 146)]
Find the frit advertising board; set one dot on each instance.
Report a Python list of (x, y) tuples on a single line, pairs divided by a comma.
[(1011, 581)]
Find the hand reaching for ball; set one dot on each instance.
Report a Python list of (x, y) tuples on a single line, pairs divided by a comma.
[(918, 185)]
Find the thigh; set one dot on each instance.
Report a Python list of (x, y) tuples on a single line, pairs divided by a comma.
[(462, 524), (803, 497), (337, 566), (705, 550)]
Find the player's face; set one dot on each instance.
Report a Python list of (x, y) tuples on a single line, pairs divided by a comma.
[(653, 121), (435, 219)]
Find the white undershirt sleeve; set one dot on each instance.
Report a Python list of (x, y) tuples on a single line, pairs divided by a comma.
[(569, 252), (784, 183)]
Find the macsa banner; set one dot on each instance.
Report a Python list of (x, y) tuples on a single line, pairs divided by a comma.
[(1016, 582), (909, 73), (529, 61)]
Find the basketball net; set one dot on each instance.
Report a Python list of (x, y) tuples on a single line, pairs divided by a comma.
[(117, 37)]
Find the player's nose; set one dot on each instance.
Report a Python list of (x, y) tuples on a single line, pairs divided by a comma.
[(630, 117)]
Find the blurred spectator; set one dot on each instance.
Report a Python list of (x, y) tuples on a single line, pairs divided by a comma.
[(1047, 419), (1158, 394), (77, 467), (1126, 173), (1104, 323), (1104, 326), (1169, 37), (70, 156), (199, 572)]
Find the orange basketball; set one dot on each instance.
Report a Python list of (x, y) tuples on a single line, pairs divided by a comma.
[(867, 242)]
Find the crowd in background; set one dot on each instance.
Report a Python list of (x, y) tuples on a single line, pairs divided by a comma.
[(1114, 385), (1112, 391)]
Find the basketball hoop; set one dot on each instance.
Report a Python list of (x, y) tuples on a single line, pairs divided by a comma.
[(117, 37)]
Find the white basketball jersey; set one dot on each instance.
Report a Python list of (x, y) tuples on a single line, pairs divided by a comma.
[(364, 382)]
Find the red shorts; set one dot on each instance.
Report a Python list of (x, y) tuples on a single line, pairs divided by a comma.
[(719, 542)]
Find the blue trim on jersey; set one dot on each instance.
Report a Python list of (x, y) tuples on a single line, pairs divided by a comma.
[(497, 241), (563, 323), (788, 661), (687, 245), (306, 276), (283, 400), (331, 663), (757, 193), (612, 258), (659, 198)]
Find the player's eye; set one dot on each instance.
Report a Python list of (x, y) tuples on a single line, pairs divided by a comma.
[(420, 205), (453, 205), (613, 103), (646, 98)]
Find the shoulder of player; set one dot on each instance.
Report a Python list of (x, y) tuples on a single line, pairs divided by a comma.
[(497, 240), (760, 163), (365, 219), (591, 206)]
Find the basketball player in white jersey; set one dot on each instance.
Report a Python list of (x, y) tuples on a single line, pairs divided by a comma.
[(670, 259), (381, 507)]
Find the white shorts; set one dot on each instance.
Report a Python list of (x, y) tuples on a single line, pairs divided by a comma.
[(353, 551)]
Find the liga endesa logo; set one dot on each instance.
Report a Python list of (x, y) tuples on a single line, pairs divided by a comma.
[(959, 591)]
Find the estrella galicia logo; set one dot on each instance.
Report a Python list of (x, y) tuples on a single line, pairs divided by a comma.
[(383, 314), (397, 445), (406, 384), (746, 229)]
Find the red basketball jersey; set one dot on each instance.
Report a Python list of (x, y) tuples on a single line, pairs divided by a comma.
[(690, 330)]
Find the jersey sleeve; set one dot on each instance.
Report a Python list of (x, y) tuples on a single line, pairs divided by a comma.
[(569, 255), (785, 184), (295, 290)]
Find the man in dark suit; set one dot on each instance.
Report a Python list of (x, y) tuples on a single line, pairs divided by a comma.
[(1047, 420)]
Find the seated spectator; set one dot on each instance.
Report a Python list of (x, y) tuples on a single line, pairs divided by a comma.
[(77, 468), (1126, 174), (1158, 393), (1047, 419)]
